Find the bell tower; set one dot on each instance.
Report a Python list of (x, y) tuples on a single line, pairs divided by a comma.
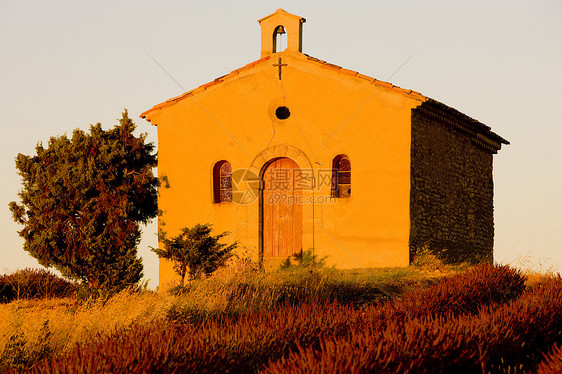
[(277, 24)]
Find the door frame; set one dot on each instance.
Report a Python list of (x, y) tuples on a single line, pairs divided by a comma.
[(261, 209), (261, 204), (259, 165)]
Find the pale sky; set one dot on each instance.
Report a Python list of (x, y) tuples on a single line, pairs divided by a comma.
[(67, 64)]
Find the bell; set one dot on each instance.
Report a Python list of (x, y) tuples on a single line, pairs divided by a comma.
[(280, 30)]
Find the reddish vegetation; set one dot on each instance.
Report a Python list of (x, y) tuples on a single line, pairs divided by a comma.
[(553, 362), (235, 345), (498, 336), (462, 294), (482, 319)]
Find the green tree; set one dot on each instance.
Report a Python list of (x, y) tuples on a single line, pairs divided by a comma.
[(195, 250), (83, 200)]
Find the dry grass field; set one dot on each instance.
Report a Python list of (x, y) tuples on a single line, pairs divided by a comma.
[(471, 319)]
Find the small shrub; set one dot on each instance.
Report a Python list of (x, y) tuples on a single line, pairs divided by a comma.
[(195, 251), (34, 283), (304, 260), (425, 259)]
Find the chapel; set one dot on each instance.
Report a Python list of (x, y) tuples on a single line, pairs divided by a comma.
[(291, 153)]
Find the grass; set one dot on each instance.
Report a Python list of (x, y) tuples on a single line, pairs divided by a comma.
[(297, 320), (69, 321), (30, 327)]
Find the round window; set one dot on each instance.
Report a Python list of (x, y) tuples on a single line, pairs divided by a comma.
[(282, 112)]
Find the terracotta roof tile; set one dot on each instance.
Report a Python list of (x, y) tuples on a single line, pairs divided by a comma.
[(212, 83), (252, 64), (383, 84), (401, 90), (480, 128), (366, 77), (348, 72), (313, 59), (417, 96), (331, 66)]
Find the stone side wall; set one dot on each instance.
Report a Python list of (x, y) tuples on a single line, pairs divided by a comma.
[(451, 201)]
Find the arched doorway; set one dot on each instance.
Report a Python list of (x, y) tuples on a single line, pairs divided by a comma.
[(281, 207)]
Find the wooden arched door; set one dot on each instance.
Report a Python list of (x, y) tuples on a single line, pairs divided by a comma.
[(282, 209)]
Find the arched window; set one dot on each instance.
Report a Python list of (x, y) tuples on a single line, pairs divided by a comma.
[(341, 176), (222, 182)]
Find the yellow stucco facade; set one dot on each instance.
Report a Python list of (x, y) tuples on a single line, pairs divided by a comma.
[(333, 111)]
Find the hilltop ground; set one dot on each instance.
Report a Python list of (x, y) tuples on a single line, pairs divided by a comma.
[(442, 319)]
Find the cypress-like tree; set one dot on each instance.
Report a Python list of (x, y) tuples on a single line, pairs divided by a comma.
[(83, 200)]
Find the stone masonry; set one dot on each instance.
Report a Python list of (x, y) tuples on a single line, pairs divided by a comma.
[(451, 198)]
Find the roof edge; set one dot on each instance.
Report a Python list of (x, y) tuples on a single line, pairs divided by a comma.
[(480, 134), (323, 64), (281, 11), (202, 87), (410, 93), (478, 127), (487, 130)]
